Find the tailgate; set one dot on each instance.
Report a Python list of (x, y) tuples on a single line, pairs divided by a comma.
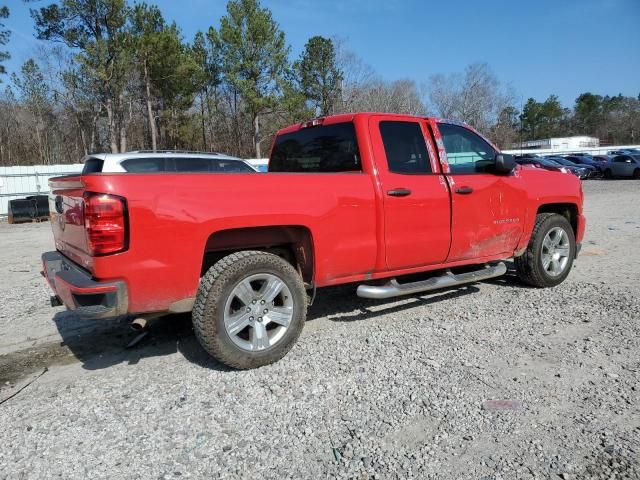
[(67, 219)]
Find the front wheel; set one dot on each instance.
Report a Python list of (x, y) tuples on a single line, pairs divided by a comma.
[(549, 256), (607, 173), (250, 309), (636, 174)]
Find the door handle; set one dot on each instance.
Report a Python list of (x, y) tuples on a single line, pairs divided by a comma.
[(464, 190), (399, 192)]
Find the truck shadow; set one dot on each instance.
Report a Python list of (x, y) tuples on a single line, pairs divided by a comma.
[(100, 344), (510, 278), (353, 308)]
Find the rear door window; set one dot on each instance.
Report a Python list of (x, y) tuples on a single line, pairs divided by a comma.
[(320, 149), (145, 165), (231, 166), (405, 147), (194, 164)]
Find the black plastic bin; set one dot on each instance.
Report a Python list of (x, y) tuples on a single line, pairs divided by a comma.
[(35, 207), (42, 206)]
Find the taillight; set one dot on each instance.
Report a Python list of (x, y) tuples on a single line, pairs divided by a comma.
[(105, 221)]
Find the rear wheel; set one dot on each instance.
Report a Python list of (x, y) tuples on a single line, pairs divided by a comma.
[(550, 253), (636, 173), (607, 173), (250, 309)]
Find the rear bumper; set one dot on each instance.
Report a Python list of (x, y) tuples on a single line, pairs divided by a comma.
[(80, 292)]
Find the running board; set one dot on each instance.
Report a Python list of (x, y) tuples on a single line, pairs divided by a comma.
[(395, 289)]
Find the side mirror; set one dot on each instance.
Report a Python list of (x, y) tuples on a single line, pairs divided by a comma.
[(505, 163)]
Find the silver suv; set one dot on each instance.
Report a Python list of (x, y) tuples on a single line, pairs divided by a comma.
[(624, 166), (169, 161)]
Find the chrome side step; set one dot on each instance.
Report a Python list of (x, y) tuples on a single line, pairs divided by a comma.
[(395, 289)]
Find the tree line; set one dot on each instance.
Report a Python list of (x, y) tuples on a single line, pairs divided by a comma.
[(117, 76)]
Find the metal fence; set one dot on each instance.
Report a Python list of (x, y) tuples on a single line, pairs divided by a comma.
[(20, 181), (564, 151)]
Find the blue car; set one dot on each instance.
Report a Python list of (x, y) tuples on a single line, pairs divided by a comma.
[(581, 160)]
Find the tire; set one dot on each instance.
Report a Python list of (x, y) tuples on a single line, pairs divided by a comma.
[(531, 266), (230, 314), (636, 174), (607, 173)]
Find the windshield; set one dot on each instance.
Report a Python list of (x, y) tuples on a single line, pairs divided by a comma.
[(564, 161), (573, 160), (548, 162), (553, 160)]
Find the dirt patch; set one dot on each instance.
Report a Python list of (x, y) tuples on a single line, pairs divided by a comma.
[(17, 365), (95, 348), (593, 252)]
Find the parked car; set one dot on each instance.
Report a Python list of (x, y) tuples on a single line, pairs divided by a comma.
[(603, 159), (374, 198), (582, 160), (624, 151), (623, 166), (579, 171), (546, 164), (582, 155), (523, 160), (165, 161), (587, 170)]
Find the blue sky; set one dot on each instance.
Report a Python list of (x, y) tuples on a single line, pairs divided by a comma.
[(538, 47)]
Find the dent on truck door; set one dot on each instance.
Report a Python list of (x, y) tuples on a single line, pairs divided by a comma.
[(487, 208), (415, 195)]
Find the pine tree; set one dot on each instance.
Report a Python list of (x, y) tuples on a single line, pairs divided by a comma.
[(97, 29), (4, 39), (255, 59), (319, 75)]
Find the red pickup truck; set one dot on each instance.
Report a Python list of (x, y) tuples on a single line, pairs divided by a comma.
[(367, 198)]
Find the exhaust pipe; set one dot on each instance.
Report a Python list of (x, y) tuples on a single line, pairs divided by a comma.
[(139, 324)]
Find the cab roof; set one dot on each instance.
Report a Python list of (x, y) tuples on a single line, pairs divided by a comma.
[(350, 117)]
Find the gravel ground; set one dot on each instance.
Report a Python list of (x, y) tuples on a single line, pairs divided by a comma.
[(494, 380)]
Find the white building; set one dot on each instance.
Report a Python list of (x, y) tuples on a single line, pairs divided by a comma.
[(565, 143)]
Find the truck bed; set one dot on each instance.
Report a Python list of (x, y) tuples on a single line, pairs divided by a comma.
[(172, 217)]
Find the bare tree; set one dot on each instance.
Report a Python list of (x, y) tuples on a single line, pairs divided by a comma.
[(362, 90), (356, 75), (474, 96), (401, 96)]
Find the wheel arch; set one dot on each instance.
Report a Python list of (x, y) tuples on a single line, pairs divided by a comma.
[(567, 210), (294, 243)]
